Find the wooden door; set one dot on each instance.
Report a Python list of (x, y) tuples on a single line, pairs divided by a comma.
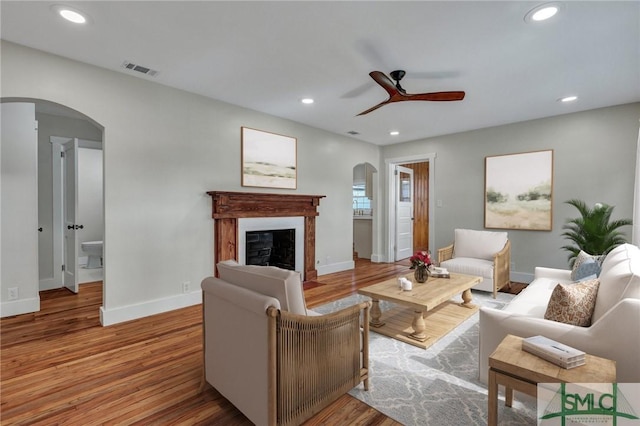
[(420, 204)]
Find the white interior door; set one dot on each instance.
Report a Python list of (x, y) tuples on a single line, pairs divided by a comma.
[(404, 212), (70, 209)]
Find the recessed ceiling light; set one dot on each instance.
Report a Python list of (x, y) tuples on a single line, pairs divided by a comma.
[(70, 14), (568, 99), (394, 133), (307, 101), (542, 12)]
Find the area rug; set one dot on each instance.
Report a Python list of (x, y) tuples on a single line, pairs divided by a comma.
[(436, 386)]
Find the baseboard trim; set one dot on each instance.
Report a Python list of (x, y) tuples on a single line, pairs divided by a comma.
[(336, 267), (152, 307), (521, 277), (49, 284), (19, 307), (378, 258)]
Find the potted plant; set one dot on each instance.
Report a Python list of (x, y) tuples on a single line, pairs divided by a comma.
[(593, 232)]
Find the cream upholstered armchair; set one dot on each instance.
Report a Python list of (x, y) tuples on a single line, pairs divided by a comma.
[(271, 357), (482, 253)]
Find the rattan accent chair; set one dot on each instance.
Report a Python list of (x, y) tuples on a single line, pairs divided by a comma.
[(481, 253), (315, 360), (276, 366)]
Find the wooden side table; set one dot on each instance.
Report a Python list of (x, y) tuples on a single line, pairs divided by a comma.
[(519, 370)]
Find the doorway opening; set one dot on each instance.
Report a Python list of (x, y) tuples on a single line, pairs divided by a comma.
[(33, 123), (364, 200), (70, 195), (78, 210), (423, 167), (420, 204)]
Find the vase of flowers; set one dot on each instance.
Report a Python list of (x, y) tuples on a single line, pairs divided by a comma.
[(421, 263)]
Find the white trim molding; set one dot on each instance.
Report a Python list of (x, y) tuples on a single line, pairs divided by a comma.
[(152, 307), (335, 267), (521, 277), (19, 307), (635, 238), (391, 192)]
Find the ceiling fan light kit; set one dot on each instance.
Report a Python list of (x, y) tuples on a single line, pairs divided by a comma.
[(398, 94)]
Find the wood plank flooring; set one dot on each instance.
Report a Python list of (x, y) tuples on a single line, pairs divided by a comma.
[(59, 366)]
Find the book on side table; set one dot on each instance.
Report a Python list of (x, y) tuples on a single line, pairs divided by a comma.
[(555, 352)]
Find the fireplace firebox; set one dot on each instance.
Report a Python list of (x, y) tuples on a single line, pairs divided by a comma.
[(271, 248)]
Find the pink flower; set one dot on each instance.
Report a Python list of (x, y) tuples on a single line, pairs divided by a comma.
[(421, 259)]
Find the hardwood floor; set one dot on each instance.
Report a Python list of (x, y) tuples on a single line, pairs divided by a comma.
[(59, 366)]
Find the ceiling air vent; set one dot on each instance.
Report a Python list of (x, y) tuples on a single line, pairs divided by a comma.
[(353, 132), (139, 68)]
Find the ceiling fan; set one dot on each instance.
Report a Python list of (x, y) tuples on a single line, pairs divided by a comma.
[(398, 94)]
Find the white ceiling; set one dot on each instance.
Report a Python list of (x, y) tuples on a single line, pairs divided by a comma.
[(267, 55)]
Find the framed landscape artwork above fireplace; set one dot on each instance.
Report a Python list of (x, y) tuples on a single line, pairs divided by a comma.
[(269, 160)]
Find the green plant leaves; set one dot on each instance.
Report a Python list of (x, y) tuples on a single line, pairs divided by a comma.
[(593, 232)]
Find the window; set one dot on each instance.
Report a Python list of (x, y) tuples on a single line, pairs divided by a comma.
[(361, 203)]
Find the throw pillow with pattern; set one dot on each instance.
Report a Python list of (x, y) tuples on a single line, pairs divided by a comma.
[(573, 303), (586, 267)]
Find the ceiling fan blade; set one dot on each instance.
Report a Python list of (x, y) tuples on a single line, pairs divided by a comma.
[(374, 108), (437, 96), (384, 81)]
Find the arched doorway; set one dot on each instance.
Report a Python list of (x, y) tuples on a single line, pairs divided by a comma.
[(52, 121), (364, 213)]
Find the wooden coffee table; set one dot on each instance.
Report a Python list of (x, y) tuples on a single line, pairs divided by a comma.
[(431, 313), (519, 370)]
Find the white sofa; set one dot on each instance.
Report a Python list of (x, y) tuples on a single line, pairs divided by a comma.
[(614, 332), (271, 357)]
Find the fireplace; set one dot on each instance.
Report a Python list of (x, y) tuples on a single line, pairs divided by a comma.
[(275, 247), (232, 211), (264, 240)]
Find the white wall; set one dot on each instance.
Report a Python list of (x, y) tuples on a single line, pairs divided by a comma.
[(163, 149), (19, 216), (594, 160)]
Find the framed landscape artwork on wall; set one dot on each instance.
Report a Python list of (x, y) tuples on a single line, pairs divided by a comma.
[(269, 160), (519, 191)]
